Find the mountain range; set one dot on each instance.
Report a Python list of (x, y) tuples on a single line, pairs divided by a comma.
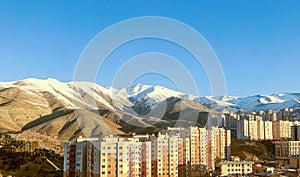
[(68, 110)]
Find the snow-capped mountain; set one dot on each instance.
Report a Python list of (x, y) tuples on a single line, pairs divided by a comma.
[(217, 102), (90, 96), (72, 94), (253, 103), (50, 106)]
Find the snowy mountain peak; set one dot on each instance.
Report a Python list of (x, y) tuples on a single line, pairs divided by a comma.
[(138, 88), (156, 93), (85, 94)]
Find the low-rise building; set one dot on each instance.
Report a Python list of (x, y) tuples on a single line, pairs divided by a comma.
[(236, 167)]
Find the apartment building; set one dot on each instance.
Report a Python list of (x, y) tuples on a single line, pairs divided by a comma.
[(242, 129), (281, 129), (198, 147), (124, 157), (296, 114), (183, 156), (285, 114), (69, 159), (218, 146), (295, 132), (260, 129), (255, 129), (268, 130), (230, 120), (164, 155), (80, 159), (227, 139), (288, 152), (269, 115), (175, 153), (207, 145), (109, 157)]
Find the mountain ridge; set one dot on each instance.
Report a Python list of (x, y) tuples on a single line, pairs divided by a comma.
[(58, 107)]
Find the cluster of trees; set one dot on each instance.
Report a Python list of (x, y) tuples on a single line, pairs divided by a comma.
[(26, 161), (13, 161), (23, 156), (9, 143)]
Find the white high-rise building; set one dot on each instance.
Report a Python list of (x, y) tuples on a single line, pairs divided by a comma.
[(253, 133), (257, 129), (268, 130)]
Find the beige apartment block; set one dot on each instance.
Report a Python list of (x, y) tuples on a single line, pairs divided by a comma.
[(109, 157), (164, 155), (281, 129), (178, 152), (207, 145)]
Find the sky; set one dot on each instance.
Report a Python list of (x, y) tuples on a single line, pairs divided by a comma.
[(257, 42)]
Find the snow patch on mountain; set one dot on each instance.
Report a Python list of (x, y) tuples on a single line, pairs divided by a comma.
[(150, 95)]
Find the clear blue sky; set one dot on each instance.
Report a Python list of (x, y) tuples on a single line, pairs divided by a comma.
[(257, 41)]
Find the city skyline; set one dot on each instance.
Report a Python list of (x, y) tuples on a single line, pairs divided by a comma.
[(256, 42), (149, 88)]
